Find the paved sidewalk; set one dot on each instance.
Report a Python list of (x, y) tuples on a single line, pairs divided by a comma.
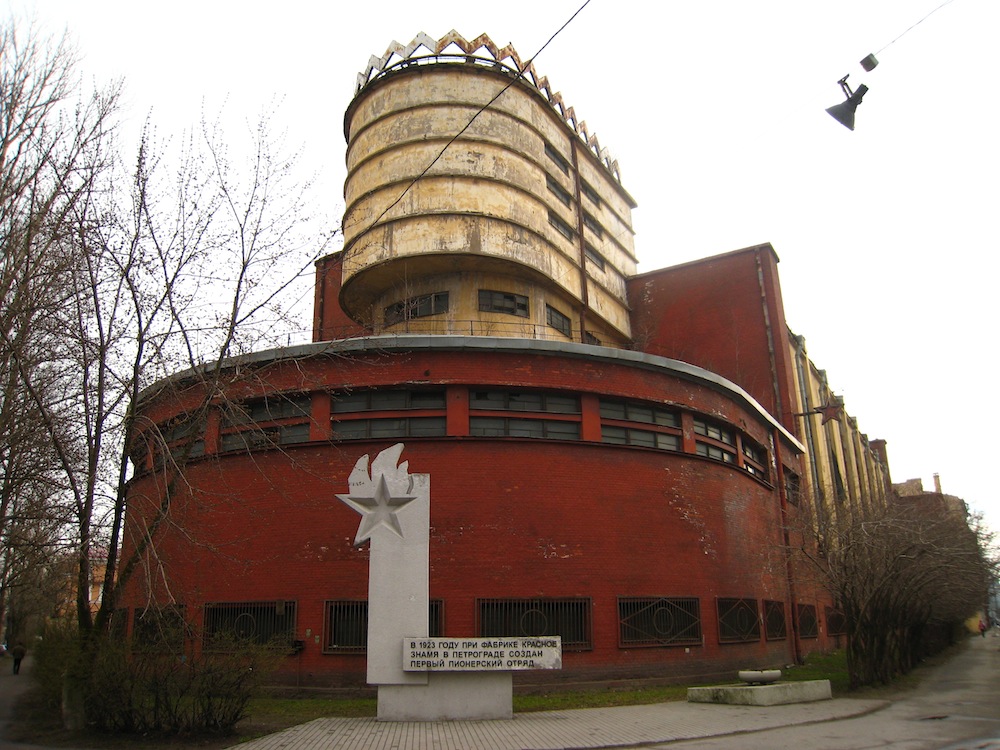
[(633, 726), (558, 730)]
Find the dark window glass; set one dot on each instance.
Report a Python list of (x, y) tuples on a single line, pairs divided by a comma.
[(416, 307), (558, 190), (503, 302), (558, 321), (558, 159)]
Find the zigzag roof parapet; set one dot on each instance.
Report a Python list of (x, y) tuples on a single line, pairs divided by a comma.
[(436, 50)]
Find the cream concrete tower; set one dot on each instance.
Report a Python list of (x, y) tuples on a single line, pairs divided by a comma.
[(477, 204)]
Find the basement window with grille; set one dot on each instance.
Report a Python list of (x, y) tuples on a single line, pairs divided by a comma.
[(774, 621), (808, 625), (516, 618), (345, 625), (836, 623), (503, 302), (738, 620), (659, 621), (231, 625)]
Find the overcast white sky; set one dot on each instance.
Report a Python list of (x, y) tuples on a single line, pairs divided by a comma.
[(715, 110)]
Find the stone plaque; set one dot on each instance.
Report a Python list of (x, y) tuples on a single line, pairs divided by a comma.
[(423, 654)]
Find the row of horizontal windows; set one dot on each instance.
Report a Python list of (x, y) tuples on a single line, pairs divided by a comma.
[(642, 621), (714, 441)]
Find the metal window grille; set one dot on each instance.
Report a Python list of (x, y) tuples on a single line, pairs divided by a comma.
[(738, 620), (658, 621), (593, 224), (345, 626), (808, 626), (836, 623), (160, 630), (775, 628), (228, 624), (568, 618)]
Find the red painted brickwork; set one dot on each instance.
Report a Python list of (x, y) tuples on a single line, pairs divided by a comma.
[(722, 313), (514, 518)]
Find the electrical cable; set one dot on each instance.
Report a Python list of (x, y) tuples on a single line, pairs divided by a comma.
[(915, 25)]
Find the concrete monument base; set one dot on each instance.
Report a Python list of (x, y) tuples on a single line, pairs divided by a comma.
[(762, 695), (449, 695)]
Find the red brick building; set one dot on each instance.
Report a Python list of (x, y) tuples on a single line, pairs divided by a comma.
[(634, 497)]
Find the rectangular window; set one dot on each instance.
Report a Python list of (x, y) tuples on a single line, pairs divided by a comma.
[(558, 321), (522, 618), (381, 429), (229, 624), (523, 428), (345, 625), (558, 190), (503, 302), (715, 453), (553, 403), (589, 193), (738, 620), (658, 622), (616, 435), (754, 458), (632, 411), (808, 626), (593, 225), (249, 440), (561, 226), (793, 487), (416, 307), (558, 159), (593, 256), (836, 623), (713, 431), (269, 409), (386, 400), (774, 621)]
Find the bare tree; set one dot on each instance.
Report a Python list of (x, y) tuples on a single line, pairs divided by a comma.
[(905, 576), (129, 270)]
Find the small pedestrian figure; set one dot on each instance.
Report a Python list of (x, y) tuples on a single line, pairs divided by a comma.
[(18, 653), (982, 627)]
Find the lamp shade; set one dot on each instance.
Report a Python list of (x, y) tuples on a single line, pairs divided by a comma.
[(844, 112)]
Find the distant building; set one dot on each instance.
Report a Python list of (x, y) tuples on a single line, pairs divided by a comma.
[(616, 458)]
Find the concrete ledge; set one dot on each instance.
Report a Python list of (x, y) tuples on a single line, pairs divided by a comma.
[(762, 695)]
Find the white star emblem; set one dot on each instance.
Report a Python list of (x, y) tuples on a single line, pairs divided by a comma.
[(376, 511)]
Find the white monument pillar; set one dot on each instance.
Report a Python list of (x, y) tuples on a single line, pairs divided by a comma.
[(395, 510)]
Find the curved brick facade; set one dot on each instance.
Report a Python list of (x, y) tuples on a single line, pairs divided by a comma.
[(585, 529)]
